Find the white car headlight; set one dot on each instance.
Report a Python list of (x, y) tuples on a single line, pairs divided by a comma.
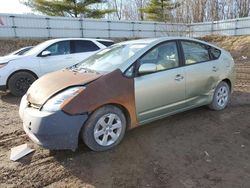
[(23, 105), (53, 104)]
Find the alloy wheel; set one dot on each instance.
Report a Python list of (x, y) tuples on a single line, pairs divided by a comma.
[(107, 129)]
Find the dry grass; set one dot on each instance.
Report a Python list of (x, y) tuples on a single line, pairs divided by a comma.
[(238, 46), (10, 45)]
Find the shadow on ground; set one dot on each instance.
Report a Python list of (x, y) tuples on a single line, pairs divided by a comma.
[(9, 98)]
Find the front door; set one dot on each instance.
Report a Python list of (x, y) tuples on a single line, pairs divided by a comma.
[(162, 92), (59, 58)]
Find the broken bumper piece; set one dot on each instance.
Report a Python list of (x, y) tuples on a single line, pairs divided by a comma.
[(55, 131)]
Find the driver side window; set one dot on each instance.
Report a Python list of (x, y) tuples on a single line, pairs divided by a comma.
[(59, 48), (164, 56)]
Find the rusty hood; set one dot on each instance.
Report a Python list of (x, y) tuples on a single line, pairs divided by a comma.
[(46, 86)]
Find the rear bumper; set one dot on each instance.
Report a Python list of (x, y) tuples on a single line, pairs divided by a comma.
[(54, 131)]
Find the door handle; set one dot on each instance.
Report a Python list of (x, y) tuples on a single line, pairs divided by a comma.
[(215, 69), (179, 77)]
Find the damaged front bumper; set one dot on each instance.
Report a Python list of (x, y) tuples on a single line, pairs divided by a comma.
[(52, 130)]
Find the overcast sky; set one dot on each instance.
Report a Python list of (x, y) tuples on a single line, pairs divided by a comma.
[(13, 6)]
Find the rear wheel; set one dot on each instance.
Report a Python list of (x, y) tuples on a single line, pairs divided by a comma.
[(20, 82), (104, 129), (221, 96)]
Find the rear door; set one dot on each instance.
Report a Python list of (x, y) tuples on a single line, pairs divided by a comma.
[(201, 72), (162, 92), (82, 49), (60, 57)]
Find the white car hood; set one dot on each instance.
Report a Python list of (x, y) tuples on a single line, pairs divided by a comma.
[(6, 59)]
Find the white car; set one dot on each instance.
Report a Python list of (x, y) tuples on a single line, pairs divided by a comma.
[(17, 73)]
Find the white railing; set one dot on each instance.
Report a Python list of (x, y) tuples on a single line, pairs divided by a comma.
[(232, 27), (30, 26)]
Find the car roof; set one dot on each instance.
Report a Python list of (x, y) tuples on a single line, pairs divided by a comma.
[(91, 39), (162, 39)]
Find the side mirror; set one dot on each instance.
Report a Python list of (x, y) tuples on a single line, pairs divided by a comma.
[(45, 53), (147, 68)]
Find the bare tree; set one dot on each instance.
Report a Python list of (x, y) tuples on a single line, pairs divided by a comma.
[(243, 7), (188, 11)]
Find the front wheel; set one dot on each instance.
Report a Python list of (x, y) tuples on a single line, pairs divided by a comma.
[(221, 96), (20, 82), (104, 129)]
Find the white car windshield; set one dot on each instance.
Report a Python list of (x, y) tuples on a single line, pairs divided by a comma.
[(110, 58)]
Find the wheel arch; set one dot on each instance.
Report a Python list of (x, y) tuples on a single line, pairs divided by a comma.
[(228, 81), (21, 70), (122, 108)]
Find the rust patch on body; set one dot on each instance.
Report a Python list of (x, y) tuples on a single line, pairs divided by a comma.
[(52, 83), (112, 88)]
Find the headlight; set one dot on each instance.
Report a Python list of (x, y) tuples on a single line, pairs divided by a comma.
[(3, 64), (23, 105), (55, 102)]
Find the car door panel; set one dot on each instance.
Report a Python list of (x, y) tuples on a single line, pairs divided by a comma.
[(162, 92), (60, 57), (159, 94), (201, 81), (201, 73), (54, 63)]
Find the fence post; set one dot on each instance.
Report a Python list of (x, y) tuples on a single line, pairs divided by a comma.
[(48, 27), (155, 29), (14, 25), (133, 29), (212, 27), (109, 34), (236, 27), (188, 30), (81, 27)]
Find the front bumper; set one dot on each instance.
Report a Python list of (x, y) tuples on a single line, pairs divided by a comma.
[(53, 131)]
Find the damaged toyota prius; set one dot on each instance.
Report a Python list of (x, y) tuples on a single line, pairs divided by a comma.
[(124, 86)]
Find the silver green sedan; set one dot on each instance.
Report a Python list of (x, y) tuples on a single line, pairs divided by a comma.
[(124, 86)]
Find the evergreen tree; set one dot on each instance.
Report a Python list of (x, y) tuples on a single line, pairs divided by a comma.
[(159, 10), (73, 8)]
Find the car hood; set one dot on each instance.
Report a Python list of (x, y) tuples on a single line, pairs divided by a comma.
[(5, 59), (46, 86)]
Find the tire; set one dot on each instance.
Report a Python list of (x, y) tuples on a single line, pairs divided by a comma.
[(221, 96), (100, 132), (20, 82)]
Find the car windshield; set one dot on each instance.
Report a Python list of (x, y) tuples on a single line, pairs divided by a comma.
[(110, 58), (21, 51)]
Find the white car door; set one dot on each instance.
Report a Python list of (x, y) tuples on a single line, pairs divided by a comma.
[(82, 49), (59, 57)]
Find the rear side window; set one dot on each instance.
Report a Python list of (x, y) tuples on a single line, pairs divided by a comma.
[(195, 52), (84, 46), (59, 48), (106, 43), (214, 53)]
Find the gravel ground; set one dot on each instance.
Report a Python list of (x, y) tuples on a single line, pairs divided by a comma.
[(197, 148)]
